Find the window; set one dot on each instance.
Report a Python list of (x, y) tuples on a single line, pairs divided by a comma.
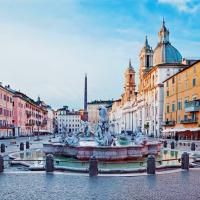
[(185, 102), (173, 80), (173, 107), (148, 63), (167, 83), (194, 82), (167, 108), (179, 105), (167, 93)]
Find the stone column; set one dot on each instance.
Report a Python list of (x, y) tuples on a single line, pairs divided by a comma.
[(165, 144), (172, 145), (1, 164), (185, 161), (151, 164), (93, 166), (3, 148), (49, 163), (193, 146), (27, 145), (21, 146)]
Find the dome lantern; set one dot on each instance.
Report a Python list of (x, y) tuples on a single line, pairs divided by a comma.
[(164, 51)]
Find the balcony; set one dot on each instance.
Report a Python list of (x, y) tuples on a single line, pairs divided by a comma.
[(168, 123), (30, 124), (7, 126), (192, 106), (189, 121)]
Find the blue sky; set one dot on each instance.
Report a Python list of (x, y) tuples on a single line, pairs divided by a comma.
[(47, 46)]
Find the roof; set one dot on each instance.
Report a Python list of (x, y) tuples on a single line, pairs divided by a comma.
[(166, 53), (28, 99), (100, 102), (7, 88)]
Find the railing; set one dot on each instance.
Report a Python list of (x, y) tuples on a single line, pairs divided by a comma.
[(168, 123), (188, 121), (192, 106), (6, 126), (30, 124)]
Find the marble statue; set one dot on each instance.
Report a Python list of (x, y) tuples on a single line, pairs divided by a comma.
[(102, 133), (139, 139), (72, 140), (103, 114), (85, 129)]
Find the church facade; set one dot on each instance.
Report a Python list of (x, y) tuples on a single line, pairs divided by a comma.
[(143, 108)]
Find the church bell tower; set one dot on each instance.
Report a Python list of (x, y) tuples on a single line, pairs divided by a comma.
[(130, 85), (146, 61)]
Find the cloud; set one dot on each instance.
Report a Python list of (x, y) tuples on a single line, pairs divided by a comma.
[(187, 6)]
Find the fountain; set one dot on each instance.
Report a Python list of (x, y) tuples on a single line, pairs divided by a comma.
[(102, 143)]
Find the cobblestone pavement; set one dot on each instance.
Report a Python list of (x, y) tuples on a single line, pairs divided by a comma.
[(15, 147), (41, 186), (36, 186)]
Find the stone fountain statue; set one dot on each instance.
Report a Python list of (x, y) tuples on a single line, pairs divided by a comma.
[(85, 129), (70, 139), (102, 133), (139, 139)]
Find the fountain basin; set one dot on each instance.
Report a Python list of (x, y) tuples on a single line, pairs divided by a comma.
[(103, 153)]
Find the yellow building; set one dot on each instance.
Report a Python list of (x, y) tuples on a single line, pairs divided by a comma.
[(182, 103)]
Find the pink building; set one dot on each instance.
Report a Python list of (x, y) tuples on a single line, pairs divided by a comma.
[(6, 112), (20, 115), (29, 117)]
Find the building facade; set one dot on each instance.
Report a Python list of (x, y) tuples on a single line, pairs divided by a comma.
[(6, 112), (182, 103), (68, 121), (144, 110), (93, 110), (29, 116), (20, 115)]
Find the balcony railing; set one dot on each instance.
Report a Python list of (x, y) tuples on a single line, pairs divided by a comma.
[(168, 123), (30, 124), (188, 121), (7, 126), (192, 106)]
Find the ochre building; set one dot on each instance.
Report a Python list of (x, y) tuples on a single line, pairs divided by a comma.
[(182, 103)]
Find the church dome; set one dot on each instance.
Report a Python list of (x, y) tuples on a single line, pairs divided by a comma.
[(165, 52)]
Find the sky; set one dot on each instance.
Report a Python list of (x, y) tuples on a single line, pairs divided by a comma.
[(47, 46)]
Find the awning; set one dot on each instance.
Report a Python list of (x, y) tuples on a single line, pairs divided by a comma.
[(180, 130)]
